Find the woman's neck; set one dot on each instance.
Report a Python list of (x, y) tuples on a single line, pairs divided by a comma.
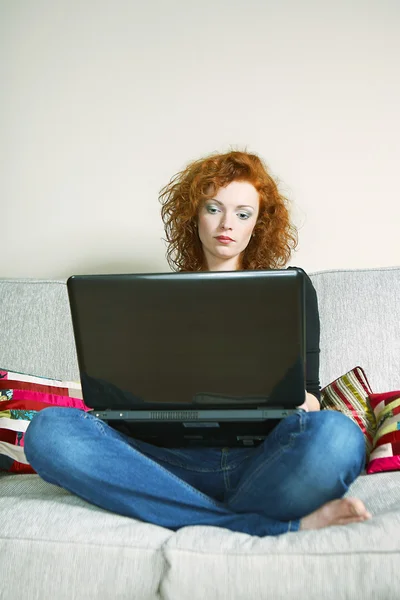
[(231, 264)]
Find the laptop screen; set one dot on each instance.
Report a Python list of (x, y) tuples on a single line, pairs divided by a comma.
[(214, 338)]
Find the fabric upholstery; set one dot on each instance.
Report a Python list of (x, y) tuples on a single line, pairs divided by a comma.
[(360, 324), (83, 552), (59, 546), (358, 561), (36, 329)]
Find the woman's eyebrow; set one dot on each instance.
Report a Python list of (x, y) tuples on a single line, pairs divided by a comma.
[(239, 205)]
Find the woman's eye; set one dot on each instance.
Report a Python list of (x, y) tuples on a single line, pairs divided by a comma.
[(243, 216), (212, 209)]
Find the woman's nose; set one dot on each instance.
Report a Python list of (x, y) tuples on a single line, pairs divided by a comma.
[(225, 222)]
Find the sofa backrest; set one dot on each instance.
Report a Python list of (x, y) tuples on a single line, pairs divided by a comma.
[(359, 311), (360, 324), (36, 329)]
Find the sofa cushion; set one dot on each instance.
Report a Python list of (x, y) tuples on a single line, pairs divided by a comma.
[(360, 324), (21, 397), (55, 541), (335, 562), (37, 335), (385, 454), (349, 394)]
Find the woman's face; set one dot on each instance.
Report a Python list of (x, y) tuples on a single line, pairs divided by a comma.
[(226, 223)]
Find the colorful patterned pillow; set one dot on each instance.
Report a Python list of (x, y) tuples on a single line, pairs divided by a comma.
[(385, 455), (349, 394), (21, 397)]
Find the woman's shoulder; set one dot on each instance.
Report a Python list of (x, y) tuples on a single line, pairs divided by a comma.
[(299, 269), (309, 283)]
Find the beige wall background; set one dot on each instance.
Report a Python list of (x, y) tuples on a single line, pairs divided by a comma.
[(102, 102)]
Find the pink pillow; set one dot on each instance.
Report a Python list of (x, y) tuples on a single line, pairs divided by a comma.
[(385, 454), (21, 397)]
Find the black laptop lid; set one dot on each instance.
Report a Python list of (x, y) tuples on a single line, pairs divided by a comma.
[(215, 338)]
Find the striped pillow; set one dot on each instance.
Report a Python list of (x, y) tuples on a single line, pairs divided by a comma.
[(385, 455), (349, 394), (21, 397)]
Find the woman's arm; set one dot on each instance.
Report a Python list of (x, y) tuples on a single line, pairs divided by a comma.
[(312, 394), (312, 343), (311, 403)]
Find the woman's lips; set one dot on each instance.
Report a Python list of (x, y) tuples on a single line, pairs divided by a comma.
[(223, 239)]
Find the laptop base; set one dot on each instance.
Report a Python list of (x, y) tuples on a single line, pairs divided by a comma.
[(222, 434)]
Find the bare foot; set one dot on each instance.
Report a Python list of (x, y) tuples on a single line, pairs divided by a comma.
[(336, 512)]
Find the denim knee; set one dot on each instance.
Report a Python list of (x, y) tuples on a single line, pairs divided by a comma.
[(45, 432), (341, 438)]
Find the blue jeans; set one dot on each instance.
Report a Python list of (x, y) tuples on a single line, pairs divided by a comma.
[(307, 460)]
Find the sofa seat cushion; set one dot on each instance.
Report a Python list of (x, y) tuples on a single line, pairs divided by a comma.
[(354, 561), (58, 542), (55, 541)]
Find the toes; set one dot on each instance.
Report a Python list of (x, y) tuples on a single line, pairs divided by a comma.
[(355, 510), (349, 520), (356, 507)]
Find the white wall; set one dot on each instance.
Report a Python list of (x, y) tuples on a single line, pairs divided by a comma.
[(102, 102)]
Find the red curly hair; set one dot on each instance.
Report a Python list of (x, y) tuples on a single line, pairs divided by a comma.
[(274, 236)]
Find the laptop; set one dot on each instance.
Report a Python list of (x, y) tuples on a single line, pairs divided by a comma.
[(191, 359)]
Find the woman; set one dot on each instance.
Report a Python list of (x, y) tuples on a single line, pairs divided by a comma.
[(223, 212)]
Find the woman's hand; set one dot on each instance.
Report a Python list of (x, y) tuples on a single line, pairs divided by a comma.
[(311, 403)]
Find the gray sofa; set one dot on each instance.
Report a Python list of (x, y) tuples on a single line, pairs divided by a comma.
[(54, 545)]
